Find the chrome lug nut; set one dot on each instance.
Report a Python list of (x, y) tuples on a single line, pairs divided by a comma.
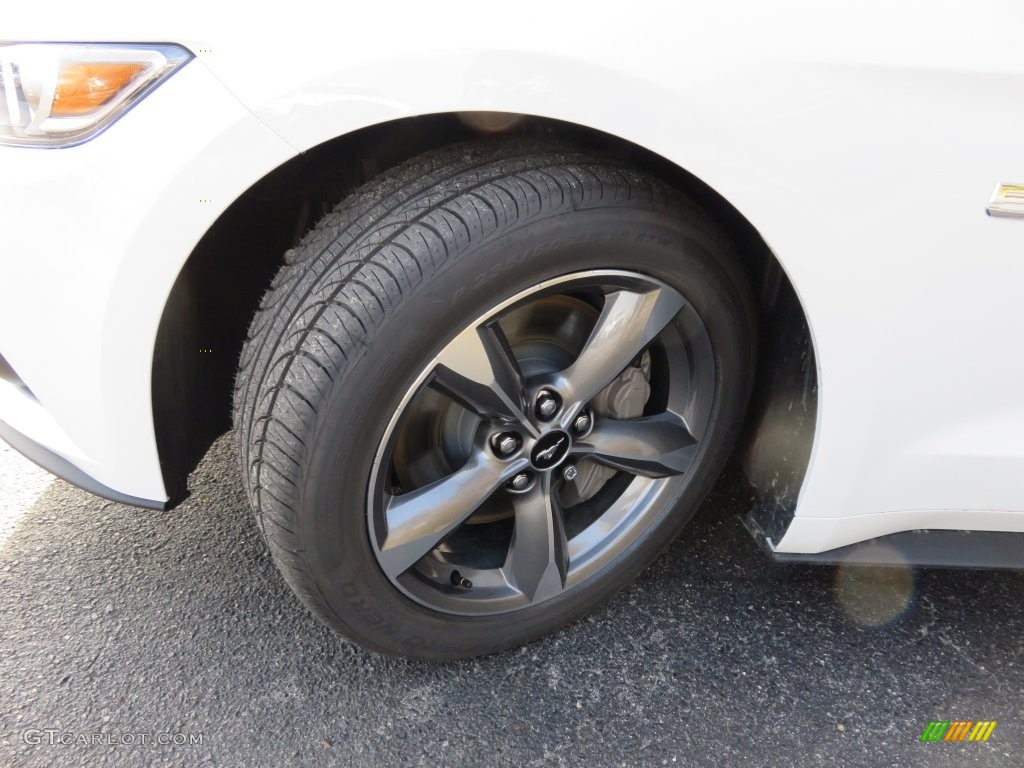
[(520, 482), (581, 425), (569, 472), (548, 404), (505, 444)]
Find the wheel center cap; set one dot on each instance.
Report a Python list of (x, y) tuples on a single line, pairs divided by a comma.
[(550, 450)]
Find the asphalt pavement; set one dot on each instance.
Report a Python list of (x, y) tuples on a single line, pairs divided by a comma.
[(131, 637)]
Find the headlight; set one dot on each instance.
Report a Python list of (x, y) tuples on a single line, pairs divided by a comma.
[(61, 94)]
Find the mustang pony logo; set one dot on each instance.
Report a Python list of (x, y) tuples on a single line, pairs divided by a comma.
[(547, 453)]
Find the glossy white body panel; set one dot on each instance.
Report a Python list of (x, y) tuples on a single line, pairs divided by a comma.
[(93, 239), (863, 141)]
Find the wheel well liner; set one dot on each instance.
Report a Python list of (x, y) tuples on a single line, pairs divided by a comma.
[(207, 314)]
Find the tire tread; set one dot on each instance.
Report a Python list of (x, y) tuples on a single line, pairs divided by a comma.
[(352, 272)]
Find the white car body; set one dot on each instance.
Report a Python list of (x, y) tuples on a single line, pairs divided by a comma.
[(861, 140)]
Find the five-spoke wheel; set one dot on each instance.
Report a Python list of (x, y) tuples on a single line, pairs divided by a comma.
[(533, 447), (487, 391)]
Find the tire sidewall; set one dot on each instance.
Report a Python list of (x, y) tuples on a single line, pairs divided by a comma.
[(352, 421)]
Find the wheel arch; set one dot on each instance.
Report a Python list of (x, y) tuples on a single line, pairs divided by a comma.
[(217, 291)]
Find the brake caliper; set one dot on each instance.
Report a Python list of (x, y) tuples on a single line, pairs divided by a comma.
[(624, 398)]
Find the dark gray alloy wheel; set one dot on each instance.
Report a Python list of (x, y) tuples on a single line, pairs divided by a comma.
[(487, 390), (529, 453)]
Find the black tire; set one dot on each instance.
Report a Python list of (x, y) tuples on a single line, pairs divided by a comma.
[(380, 286)]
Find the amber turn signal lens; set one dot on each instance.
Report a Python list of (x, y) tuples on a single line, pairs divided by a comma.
[(64, 94), (83, 88)]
